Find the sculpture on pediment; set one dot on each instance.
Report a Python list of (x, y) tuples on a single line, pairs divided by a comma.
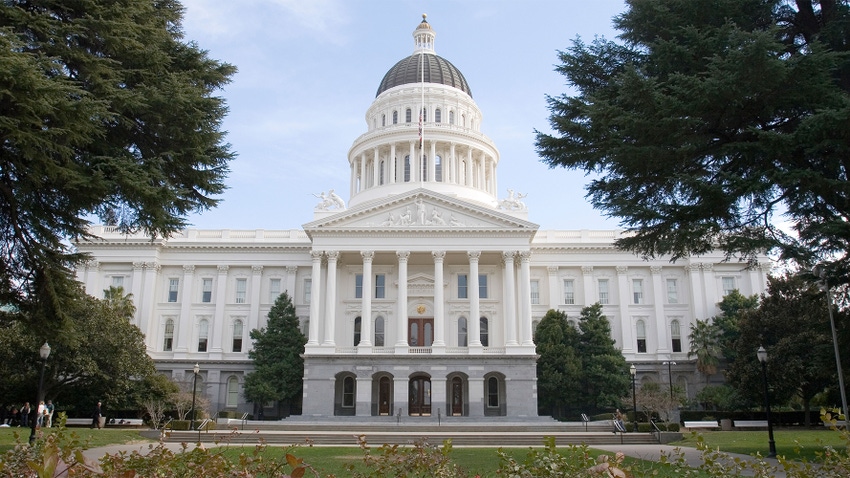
[(420, 212), (437, 218), (513, 202), (329, 200), (455, 221)]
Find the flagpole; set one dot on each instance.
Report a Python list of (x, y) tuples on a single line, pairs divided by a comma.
[(421, 161)]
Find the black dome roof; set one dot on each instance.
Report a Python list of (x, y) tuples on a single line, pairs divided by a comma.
[(437, 70)]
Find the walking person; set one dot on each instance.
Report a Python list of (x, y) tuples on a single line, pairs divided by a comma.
[(49, 408), (25, 415), (95, 417), (39, 414)]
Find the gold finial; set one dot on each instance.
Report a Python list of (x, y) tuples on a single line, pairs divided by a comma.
[(424, 16)]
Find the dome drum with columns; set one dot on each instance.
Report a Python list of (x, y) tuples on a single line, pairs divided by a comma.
[(420, 296)]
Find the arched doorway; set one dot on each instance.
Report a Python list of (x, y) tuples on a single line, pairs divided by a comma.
[(457, 397), (419, 396), (385, 388)]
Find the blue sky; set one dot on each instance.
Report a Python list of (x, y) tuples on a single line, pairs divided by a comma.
[(309, 69)]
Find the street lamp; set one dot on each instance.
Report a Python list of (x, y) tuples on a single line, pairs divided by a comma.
[(633, 373), (762, 355), (43, 352), (196, 369), (819, 271), (669, 364)]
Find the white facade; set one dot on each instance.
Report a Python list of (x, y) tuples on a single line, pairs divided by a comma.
[(386, 287)]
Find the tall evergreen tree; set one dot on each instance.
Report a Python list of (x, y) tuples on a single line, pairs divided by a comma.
[(558, 368), (713, 124), (278, 366), (105, 111), (604, 378)]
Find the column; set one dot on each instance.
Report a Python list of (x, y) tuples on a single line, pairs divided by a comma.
[(93, 279), (256, 287), (138, 271), (525, 298), (366, 302), (392, 165), (695, 291), (315, 297), (215, 337), (555, 298), (661, 325), (185, 307), (414, 169), (625, 324), (452, 169), (474, 328), (511, 316), (148, 322), (709, 287), (352, 187), (401, 322), (589, 287), (362, 171), (439, 302), (330, 302), (289, 285), (376, 168), (468, 179)]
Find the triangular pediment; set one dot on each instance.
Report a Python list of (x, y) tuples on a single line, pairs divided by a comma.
[(419, 210)]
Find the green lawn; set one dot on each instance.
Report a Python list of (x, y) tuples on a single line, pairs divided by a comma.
[(793, 444), (92, 438)]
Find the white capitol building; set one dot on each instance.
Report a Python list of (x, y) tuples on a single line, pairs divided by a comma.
[(385, 285)]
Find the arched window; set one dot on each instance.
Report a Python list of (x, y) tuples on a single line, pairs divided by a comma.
[(395, 117), (168, 336), (424, 115), (676, 336), (407, 168), (381, 180), (407, 115), (461, 332), (451, 117), (640, 327), (438, 116), (203, 335), (379, 332), (463, 120), (357, 324), (383, 120), (492, 392), (232, 392), (485, 332), (237, 335), (438, 168), (348, 391)]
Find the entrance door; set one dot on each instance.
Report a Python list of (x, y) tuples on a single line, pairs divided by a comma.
[(384, 396), (420, 332), (457, 397), (420, 397)]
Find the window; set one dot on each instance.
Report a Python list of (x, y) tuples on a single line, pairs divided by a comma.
[(484, 332), (379, 332), (238, 328), (728, 285), (380, 286), (492, 392), (637, 291), (438, 116), (308, 290), (451, 117), (603, 291), (241, 288), (676, 336), (395, 117), (424, 170), (348, 390), (407, 168), (358, 322), (462, 286), (482, 286), (203, 335), (461, 332), (118, 281), (206, 290), (438, 168), (424, 115), (381, 179), (569, 292), (383, 120), (358, 286), (274, 290), (672, 291), (408, 116), (535, 292), (232, 392), (168, 336), (641, 336), (173, 285)]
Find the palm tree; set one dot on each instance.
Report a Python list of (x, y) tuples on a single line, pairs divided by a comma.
[(705, 344), (120, 303)]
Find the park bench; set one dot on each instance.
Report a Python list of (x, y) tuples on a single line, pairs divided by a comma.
[(750, 423), (125, 422), (702, 424), (78, 422)]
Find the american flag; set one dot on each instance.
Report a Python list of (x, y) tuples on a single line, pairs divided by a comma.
[(420, 129)]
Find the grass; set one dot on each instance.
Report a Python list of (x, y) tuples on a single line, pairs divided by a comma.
[(793, 444), (9, 437)]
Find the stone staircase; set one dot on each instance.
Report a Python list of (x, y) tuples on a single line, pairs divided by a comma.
[(490, 433)]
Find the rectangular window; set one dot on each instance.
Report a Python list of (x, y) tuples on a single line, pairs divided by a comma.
[(206, 290), (482, 286), (241, 289), (238, 329), (535, 292), (637, 291), (603, 291), (380, 286), (569, 292), (728, 285), (168, 336), (173, 285), (462, 286), (672, 291), (274, 289), (308, 290), (118, 281), (676, 335), (358, 286), (203, 335)]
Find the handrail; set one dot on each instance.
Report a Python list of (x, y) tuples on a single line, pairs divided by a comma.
[(657, 432), (244, 419)]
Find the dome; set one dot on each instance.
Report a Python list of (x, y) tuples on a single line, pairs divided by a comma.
[(437, 70)]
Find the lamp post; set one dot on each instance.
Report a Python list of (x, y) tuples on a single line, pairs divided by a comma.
[(196, 369), (762, 355), (819, 271), (669, 365), (633, 373), (43, 352)]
